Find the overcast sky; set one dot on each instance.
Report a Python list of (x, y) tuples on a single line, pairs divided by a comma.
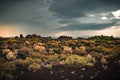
[(54, 18)]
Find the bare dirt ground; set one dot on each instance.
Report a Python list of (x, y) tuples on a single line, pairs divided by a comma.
[(72, 73)]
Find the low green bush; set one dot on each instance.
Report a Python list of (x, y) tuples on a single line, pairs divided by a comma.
[(78, 61)]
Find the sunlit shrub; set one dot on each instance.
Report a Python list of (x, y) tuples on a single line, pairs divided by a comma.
[(10, 55), (52, 59), (80, 50), (78, 61), (34, 55), (103, 61), (27, 42), (67, 49), (36, 40), (39, 48), (32, 60), (51, 51), (105, 50), (11, 40), (63, 56), (26, 62), (5, 51), (21, 62), (34, 67)]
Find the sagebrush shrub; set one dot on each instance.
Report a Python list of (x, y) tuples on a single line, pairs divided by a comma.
[(78, 61), (34, 67)]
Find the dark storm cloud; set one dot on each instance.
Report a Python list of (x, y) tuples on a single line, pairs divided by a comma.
[(6, 3), (49, 16), (90, 26), (30, 12), (70, 10), (79, 8)]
